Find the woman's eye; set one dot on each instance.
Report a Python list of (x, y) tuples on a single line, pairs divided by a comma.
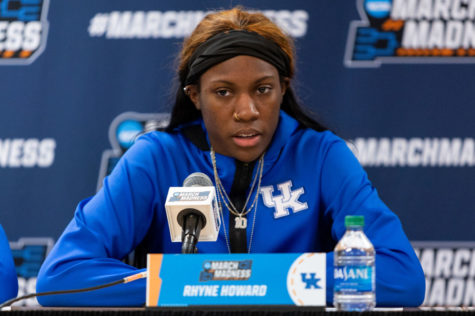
[(263, 89), (222, 92)]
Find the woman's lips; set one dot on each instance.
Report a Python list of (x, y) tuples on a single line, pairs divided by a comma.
[(247, 139)]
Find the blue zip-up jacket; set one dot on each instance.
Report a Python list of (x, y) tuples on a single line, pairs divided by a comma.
[(8, 278), (319, 182)]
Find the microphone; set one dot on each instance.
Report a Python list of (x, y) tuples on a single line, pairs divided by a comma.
[(192, 220), (192, 212), (197, 179)]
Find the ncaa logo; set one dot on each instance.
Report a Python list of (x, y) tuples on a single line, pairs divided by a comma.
[(378, 8), (127, 132), (23, 30), (123, 131)]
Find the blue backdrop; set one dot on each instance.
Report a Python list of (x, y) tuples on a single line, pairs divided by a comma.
[(391, 78)]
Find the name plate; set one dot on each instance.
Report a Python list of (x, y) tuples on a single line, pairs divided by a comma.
[(236, 279)]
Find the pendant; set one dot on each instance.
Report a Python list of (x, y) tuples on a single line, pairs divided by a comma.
[(240, 222)]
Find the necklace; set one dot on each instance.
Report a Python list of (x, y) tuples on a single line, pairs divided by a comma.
[(240, 221)]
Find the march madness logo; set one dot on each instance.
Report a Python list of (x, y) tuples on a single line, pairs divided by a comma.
[(28, 255), (23, 30), (189, 196), (411, 31), (226, 270), (449, 269), (123, 131)]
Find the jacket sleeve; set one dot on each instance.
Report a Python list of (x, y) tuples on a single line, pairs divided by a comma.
[(105, 228), (9, 282), (347, 191)]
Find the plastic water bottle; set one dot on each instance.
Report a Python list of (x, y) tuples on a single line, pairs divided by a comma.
[(354, 269)]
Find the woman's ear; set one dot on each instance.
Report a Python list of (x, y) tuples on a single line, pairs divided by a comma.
[(284, 84), (193, 93)]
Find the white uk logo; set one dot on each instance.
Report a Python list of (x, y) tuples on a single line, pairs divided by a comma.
[(287, 200)]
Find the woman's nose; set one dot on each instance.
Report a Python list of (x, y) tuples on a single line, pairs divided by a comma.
[(245, 109)]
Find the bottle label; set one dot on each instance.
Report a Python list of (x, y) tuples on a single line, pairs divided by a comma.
[(353, 279)]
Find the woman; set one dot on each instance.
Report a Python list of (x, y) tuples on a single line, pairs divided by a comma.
[(9, 282), (285, 183)]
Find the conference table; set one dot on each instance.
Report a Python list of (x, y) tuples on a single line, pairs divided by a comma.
[(230, 311)]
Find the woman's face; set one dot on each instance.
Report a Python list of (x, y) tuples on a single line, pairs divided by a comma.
[(240, 101)]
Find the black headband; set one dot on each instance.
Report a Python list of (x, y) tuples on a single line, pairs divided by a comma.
[(233, 43)]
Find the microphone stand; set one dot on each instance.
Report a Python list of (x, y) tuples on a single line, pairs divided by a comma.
[(193, 222)]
